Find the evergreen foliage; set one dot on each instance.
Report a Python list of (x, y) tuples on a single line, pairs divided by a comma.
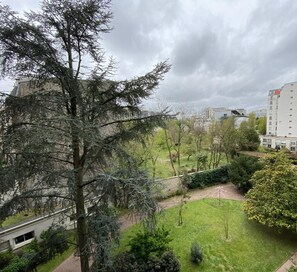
[(149, 252), (149, 243), (17, 264), (273, 199), (196, 253), (5, 258), (54, 241), (208, 178), (241, 170), (64, 134)]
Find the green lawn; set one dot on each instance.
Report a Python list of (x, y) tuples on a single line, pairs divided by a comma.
[(164, 169), (18, 218), (250, 247)]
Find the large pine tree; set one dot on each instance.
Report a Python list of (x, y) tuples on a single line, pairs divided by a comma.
[(59, 135)]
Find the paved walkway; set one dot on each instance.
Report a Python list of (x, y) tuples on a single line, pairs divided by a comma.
[(226, 191), (289, 263)]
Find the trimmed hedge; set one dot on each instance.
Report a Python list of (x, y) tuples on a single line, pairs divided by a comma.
[(208, 178)]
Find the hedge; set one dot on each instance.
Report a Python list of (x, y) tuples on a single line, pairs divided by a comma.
[(208, 178)]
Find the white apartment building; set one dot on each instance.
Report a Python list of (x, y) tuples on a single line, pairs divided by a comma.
[(281, 118), (211, 115)]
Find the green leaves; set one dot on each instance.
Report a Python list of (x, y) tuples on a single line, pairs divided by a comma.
[(273, 199)]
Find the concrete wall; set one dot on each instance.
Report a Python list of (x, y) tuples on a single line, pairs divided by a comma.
[(37, 225)]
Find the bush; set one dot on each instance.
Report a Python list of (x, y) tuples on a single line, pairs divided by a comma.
[(145, 251), (169, 262), (293, 269), (149, 243), (196, 253), (241, 170), (208, 178), (17, 264), (54, 242), (5, 258), (127, 262)]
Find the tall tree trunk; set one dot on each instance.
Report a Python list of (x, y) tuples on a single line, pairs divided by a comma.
[(82, 231), (79, 197), (169, 151), (178, 149)]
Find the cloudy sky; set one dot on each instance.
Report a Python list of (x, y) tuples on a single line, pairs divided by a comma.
[(226, 53)]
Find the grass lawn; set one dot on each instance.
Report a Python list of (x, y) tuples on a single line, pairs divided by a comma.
[(18, 218), (164, 169), (250, 247)]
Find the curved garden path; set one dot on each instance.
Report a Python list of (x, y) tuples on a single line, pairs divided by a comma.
[(226, 191)]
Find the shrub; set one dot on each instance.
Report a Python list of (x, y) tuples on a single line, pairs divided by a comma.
[(241, 170), (54, 242), (145, 251), (5, 258), (293, 269), (17, 264), (127, 262), (196, 253), (148, 243), (169, 262), (208, 178)]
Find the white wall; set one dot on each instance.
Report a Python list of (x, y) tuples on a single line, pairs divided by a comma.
[(287, 111)]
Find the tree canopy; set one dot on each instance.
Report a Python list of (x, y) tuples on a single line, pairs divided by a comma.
[(241, 170), (62, 132), (273, 199)]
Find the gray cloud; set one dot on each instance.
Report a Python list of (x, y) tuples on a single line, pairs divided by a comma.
[(223, 53)]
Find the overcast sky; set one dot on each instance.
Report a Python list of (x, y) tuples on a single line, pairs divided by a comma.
[(224, 53)]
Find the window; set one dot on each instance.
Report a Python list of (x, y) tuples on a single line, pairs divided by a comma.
[(290, 121), (291, 97), (24, 237), (291, 109), (270, 117), (290, 115)]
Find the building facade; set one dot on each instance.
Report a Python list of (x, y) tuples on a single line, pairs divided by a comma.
[(211, 115), (281, 118)]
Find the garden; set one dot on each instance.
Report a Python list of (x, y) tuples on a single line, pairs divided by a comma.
[(228, 240)]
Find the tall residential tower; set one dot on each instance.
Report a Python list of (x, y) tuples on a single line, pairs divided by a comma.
[(282, 118)]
